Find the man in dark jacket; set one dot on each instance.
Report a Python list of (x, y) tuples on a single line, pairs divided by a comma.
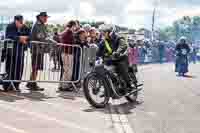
[(182, 51), (56, 52), (161, 48), (115, 46), (19, 33)]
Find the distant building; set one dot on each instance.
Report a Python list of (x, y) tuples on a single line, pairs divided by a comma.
[(145, 32), (141, 34), (4, 21)]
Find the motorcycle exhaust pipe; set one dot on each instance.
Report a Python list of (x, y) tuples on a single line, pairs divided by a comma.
[(139, 85), (134, 91)]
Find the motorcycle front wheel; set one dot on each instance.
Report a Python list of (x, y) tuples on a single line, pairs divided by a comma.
[(96, 90)]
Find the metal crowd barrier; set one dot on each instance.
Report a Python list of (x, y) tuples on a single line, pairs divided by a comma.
[(19, 62), (89, 56)]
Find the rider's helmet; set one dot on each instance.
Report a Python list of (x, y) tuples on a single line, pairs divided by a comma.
[(107, 28)]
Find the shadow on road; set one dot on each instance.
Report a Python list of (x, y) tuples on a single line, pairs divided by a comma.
[(190, 76), (14, 96), (8, 98), (70, 95), (125, 107), (105, 110), (35, 96)]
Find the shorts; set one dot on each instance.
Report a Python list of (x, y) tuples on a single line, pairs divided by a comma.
[(38, 61)]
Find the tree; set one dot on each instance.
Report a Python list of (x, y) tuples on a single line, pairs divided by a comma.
[(29, 24), (196, 21), (168, 33), (186, 26), (95, 24), (132, 31)]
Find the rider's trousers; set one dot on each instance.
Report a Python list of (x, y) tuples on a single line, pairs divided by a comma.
[(122, 69)]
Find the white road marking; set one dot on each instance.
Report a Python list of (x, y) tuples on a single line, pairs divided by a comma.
[(46, 117), (124, 123), (108, 121), (55, 105), (106, 117), (11, 128), (116, 121)]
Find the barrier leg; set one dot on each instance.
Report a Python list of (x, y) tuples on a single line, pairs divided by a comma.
[(75, 88), (13, 86)]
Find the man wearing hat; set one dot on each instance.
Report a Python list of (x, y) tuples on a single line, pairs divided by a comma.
[(38, 33), (14, 57)]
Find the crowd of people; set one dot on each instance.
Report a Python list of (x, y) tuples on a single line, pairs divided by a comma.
[(66, 57), (161, 52)]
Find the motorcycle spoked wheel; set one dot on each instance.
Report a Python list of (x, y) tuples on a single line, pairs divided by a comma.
[(96, 85)]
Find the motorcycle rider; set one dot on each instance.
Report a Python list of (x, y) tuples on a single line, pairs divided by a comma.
[(112, 45), (182, 51)]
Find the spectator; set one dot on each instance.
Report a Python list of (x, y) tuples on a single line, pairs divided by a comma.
[(67, 37), (142, 52), (38, 33), (19, 33), (98, 35), (81, 40), (2, 36), (161, 48), (193, 53), (87, 28), (78, 26), (168, 54), (133, 56), (93, 36), (56, 52)]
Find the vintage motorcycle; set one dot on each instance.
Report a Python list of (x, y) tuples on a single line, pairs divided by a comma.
[(103, 83)]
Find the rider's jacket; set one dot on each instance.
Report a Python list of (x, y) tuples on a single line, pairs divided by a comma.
[(107, 47)]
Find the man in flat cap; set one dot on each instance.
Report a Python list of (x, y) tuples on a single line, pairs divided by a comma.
[(14, 57), (38, 33)]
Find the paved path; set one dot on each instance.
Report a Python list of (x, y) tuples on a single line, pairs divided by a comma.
[(168, 104)]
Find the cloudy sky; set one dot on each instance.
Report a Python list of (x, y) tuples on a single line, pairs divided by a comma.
[(131, 13)]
